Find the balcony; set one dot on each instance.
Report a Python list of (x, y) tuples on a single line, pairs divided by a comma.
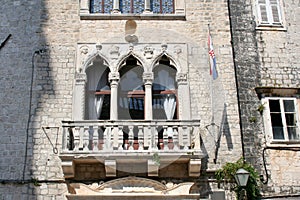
[(156, 143)]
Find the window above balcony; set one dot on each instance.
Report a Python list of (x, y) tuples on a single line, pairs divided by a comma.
[(132, 9)]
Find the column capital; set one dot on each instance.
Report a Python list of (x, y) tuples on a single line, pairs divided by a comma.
[(148, 78), (181, 78), (80, 78), (114, 76)]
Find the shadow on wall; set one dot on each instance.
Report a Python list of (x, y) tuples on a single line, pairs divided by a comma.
[(215, 131)]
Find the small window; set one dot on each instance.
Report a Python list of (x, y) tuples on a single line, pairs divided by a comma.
[(282, 119), (132, 6), (162, 6), (269, 13), (101, 6)]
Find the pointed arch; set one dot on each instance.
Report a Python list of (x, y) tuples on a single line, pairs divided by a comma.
[(173, 61), (97, 88), (93, 57), (131, 90), (122, 61)]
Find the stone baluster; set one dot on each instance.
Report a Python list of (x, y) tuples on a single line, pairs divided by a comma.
[(186, 137), (147, 137), (120, 137), (100, 138), (154, 139), (107, 138), (86, 138), (130, 137), (140, 138), (115, 138), (175, 138), (95, 138), (180, 136), (76, 138)]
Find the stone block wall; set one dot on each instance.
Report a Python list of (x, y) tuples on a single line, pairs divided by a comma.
[(38, 85), (265, 58)]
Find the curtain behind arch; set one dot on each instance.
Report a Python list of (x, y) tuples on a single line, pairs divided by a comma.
[(166, 82), (97, 80)]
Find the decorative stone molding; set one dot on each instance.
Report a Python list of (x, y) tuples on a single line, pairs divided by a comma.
[(164, 47), (114, 52), (111, 168), (68, 168), (80, 77), (84, 6), (177, 50), (181, 77), (148, 52), (98, 47), (84, 50), (113, 76), (125, 188), (153, 168), (148, 78), (194, 167)]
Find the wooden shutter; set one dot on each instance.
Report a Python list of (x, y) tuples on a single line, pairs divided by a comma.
[(262, 12), (275, 9), (267, 120)]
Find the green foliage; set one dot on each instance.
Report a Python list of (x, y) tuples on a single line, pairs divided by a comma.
[(261, 108), (35, 182), (229, 170), (156, 158), (252, 119)]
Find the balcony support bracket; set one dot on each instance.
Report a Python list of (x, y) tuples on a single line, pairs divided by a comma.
[(194, 167), (111, 168), (153, 168)]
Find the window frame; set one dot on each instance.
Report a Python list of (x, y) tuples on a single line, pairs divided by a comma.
[(268, 124), (269, 23), (178, 7)]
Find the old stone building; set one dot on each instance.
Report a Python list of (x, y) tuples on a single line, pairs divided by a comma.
[(114, 99)]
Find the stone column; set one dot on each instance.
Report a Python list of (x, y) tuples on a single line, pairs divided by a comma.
[(148, 79), (116, 6), (183, 95), (179, 6), (79, 97), (147, 7), (114, 81), (84, 6)]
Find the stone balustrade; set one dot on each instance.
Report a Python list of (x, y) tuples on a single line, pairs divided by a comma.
[(135, 135)]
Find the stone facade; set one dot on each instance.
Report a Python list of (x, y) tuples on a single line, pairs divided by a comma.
[(43, 64), (264, 59)]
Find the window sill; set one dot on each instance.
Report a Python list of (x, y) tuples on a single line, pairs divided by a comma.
[(281, 143), (98, 16), (269, 27)]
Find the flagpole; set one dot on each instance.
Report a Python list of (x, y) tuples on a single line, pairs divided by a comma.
[(212, 124), (211, 80)]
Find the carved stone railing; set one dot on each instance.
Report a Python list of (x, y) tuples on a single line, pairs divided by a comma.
[(97, 136), (112, 140)]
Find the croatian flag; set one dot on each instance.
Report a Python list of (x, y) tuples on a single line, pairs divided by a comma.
[(212, 58)]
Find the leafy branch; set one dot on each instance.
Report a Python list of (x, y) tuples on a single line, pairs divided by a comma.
[(229, 170)]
